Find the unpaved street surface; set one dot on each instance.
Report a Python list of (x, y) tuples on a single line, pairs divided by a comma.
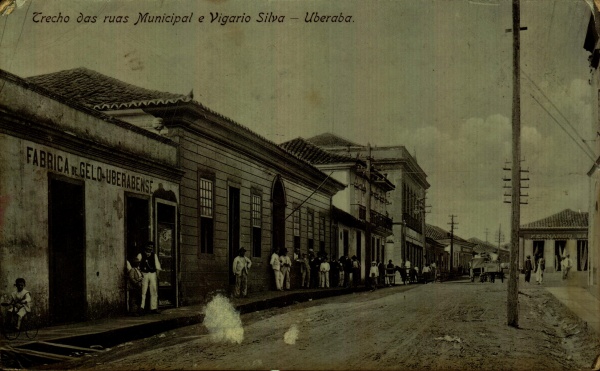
[(449, 326)]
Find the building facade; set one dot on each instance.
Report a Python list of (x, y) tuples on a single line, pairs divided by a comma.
[(80, 193), (406, 203), (592, 45), (459, 251), (554, 237), (238, 188), (349, 206)]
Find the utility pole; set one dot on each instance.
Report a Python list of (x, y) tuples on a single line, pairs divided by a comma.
[(500, 237), (368, 257), (422, 208), (512, 303), (487, 232), (452, 227)]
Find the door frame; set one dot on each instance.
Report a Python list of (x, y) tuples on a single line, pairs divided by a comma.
[(81, 183), (175, 257)]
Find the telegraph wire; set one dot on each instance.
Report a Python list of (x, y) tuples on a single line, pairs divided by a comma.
[(558, 110), (562, 127)]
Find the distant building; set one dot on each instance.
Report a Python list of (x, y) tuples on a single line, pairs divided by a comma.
[(502, 253), (457, 248), (561, 234), (406, 201), (349, 205)]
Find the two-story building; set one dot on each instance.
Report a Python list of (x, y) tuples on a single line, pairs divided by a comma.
[(349, 207), (406, 202)]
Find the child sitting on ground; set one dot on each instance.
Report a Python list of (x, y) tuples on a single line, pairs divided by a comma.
[(134, 281), (20, 301)]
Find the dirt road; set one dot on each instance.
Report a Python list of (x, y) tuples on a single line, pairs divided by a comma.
[(454, 325)]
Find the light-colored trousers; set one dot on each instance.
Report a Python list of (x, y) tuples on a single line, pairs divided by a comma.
[(241, 284), (149, 281), (278, 279), (324, 279), (285, 274), (305, 278), (539, 275)]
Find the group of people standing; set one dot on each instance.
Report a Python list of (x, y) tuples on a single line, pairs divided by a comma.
[(316, 270), (540, 266)]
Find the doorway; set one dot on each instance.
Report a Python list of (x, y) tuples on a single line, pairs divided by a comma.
[(137, 225), (166, 249), (67, 288), (234, 229)]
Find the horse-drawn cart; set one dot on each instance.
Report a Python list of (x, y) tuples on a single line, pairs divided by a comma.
[(486, 269)]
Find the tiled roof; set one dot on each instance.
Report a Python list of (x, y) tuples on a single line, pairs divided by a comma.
[(564, 219), (438, 233), (331, 140), (313, 154), (482, 246), (102, 92)]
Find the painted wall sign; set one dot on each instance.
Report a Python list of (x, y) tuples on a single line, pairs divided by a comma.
[(67, 164), (557, 236)]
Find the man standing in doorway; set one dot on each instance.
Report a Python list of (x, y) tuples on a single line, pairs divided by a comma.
[(150, 266)]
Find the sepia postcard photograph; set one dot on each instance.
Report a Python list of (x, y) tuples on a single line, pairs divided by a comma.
[(299, 184)]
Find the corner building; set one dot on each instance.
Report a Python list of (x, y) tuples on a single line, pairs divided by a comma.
[(80, 192)]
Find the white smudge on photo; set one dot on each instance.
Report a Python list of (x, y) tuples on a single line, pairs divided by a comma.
[(223, 321)]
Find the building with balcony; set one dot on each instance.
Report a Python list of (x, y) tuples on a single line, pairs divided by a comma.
[(406, 203), (349, 206)]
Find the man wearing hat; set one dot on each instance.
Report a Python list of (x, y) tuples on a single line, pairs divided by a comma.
[(150, 266), (241, 264), (528, 268), (135, 278)]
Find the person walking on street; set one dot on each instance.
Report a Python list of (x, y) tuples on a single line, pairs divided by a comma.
[(342, 271), (241, 264), (150, 267), (373, 273), (566, 266), (407, 266), (528, 268), (276, 266), (355, 271), (539, 271)]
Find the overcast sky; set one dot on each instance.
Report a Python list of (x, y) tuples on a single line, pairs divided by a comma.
[(434, 76)]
